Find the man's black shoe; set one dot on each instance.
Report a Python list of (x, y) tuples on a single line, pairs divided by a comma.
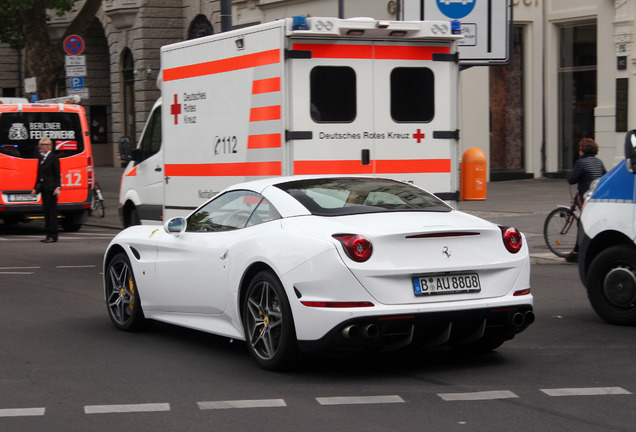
[(48, 240), (572, 257)]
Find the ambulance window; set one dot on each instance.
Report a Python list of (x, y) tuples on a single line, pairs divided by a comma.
[(151, 142), (412, 95), (21, 131), (333, 94)]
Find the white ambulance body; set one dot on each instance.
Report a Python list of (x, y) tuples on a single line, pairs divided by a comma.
[(355, 96)]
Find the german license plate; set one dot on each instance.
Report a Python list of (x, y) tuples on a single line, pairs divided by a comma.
[(22, 198), (436, 284)]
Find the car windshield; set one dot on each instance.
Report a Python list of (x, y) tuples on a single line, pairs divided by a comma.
[(343, 196)]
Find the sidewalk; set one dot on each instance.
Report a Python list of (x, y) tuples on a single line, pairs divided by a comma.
[(523, 204)]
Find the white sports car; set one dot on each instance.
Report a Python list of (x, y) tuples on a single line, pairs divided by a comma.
[(293, 264)]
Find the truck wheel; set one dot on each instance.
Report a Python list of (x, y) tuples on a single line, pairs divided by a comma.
[(70, 226), (611, 285)]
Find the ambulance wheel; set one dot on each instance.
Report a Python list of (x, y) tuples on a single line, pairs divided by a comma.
[(611, 285), (133, 218)]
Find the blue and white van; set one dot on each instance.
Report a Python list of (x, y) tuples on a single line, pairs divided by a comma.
[(607, 255)]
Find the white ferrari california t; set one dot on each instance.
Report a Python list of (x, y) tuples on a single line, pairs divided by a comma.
[(327, 264)]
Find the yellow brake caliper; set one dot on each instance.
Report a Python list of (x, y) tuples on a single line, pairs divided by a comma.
[(131, 287)]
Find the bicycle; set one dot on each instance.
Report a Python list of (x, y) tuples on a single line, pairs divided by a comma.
[(97, 202), (561, 227)]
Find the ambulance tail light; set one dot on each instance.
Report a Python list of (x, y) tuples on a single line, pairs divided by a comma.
[(89, 173)]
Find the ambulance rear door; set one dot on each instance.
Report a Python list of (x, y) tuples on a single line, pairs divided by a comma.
[(415, 106), (331, 107), (374, 107)]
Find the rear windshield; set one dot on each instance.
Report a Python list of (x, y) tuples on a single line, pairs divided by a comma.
[(343, 196), (21, 131)]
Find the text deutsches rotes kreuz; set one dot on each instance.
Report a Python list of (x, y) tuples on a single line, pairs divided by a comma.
[(365, 135), (190, 107)]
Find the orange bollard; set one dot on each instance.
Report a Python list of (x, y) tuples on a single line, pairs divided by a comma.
[(473, 175)]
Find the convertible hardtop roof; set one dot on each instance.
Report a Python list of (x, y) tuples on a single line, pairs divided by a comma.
[(260, 185)]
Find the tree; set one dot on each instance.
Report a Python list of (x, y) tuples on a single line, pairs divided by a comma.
[(24, 25)]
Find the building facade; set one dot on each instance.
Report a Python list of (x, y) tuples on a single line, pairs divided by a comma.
[(568, 78)]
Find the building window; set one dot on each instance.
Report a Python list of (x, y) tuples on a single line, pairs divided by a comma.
[(577, 89), (128, 78)]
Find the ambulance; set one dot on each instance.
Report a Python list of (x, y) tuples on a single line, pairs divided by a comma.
[(22, 125), (607, 236), (297, 96)]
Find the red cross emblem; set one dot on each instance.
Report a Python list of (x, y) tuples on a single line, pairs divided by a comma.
[(175, 109), (419, 136)]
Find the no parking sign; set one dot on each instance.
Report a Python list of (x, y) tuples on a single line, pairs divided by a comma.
[(73, 45)]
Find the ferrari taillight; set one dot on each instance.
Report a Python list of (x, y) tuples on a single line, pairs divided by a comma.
[(512, 239), (357, 247)]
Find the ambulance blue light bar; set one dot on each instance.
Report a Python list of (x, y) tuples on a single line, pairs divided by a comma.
[(369, 27)]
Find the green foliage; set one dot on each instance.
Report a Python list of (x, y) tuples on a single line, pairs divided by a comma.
[(11, 30)]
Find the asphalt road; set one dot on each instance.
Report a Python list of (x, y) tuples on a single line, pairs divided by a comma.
[(63, 366)]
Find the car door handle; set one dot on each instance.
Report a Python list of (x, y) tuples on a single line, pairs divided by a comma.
[(158, 168)]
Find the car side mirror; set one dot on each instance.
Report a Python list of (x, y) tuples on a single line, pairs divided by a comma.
[(175, 225), (630, 150), (125, 150)]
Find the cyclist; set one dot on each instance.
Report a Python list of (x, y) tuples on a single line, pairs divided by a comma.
[(586, 169)]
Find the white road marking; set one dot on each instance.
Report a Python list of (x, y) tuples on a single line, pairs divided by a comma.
[(22, 412), (20, 268), (131, 408), (358, 400), (75, 266), (472, 396), (87, 236), (13, 270), (586, 391), (16, 273), (258, 403)]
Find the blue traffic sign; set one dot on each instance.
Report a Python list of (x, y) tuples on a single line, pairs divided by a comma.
[(456, 9), (77, 82)]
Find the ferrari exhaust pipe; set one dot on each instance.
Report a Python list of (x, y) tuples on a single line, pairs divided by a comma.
[(366, 332), (518, 319), (529, 317), (352, 332), (371, 331)]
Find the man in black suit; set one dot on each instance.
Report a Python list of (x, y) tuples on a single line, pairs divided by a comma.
[(48, 183)]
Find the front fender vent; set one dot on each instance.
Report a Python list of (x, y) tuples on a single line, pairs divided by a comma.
[(136, 253)]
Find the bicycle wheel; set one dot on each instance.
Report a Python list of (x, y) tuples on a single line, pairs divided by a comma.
[(94, 201), (99, 205), (99, 208), (560, 231)]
